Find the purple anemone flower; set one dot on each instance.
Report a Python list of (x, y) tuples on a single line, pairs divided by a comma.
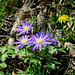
[(25, 27), (25, 40), (40, 39)]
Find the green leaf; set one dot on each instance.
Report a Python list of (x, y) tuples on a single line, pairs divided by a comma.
[(27, 71), (62, 50), (2, 50), (52, 66), (2, 73), (21, 53), (13, 55), (27, 46), (48, 58), (73, 2), (3, 57), (56, 62), (13, 73), (35, 61), (10, 51), (51, 49), (48, 4), (16, 51), (64, 27), (20, 73), (26, 60), (53, 18), (3, 64)]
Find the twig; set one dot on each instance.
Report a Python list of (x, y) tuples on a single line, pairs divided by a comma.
[(70, 29)]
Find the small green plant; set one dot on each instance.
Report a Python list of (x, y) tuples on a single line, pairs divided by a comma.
[(7, 7)]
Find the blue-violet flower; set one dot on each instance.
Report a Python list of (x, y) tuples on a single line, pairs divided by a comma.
[(25, 28), (25, 40), (40, 39)]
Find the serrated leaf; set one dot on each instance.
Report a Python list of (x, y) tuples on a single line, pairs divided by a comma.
[(3, 57), (35, 61), (21, 53), (13, 55), (52, 66), (16, 51), (52, 49), (2, 73), (10, 51), (2, 50), (3, 64)]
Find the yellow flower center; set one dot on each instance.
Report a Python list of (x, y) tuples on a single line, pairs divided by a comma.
[(24, 40), (25, 28), (39, 41)]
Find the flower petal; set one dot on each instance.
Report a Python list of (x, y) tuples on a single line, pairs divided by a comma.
[(31, 24), (34, 47), (33, 36), (23, 24), (16, 42), (20, 33), (40, 47), (46, 36), (48, 42), (18, 46), (26, 22)]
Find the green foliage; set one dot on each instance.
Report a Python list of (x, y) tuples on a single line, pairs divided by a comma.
[(52, 19), (74, 46), (64, 27), (1, 72), (73, 73), (20, 73), (73, 2), (52, 49), (57, 1), (34, 24), (33, 58), (3, 5), (3, 65), (3, 54), (7, 7)]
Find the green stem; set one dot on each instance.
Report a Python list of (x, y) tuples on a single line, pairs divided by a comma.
[(39, 54), (25, 58), (25, 52)]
